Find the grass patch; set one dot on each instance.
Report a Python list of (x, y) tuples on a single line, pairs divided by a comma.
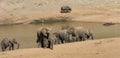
[(50, 20)]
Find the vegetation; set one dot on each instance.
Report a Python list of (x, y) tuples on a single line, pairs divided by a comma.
[(51, 20)]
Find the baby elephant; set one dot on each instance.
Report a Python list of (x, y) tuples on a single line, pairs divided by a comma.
[(8, 43)]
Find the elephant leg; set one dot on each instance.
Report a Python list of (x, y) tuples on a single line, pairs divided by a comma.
[(51, 44), (92, 37), (83, 39), (66, 41), (59, 41), (3, 48), (42, 44), (45, 43), (88, 36), (56, 41), (80, 38), (39, 44), (77, 39), (74, 39), (12, 46), (62, 41)]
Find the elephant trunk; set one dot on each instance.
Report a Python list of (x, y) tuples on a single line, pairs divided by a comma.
[(18, 45), (92, 37)]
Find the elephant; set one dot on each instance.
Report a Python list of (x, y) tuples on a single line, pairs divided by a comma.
[(80, 33), (43, 38), (8, 43), (52, 39), (70, 32), (84, 34), (63, 36)]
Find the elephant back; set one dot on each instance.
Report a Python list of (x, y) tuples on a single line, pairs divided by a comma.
[(5, 41), (63, 33)]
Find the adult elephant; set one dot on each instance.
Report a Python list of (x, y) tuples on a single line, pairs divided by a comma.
[(8, 43), (63, 36), (80, 33), (43, 38), (52, 40)]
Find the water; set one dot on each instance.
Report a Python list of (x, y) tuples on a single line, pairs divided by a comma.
[(26, 34)]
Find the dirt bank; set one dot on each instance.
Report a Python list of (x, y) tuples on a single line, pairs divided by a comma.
[(103, 48), (25, 11)]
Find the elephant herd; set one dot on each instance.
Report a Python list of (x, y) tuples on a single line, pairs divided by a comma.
[(46, 38)]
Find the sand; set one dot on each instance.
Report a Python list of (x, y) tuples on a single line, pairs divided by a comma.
[(25, 11), (102, 48)]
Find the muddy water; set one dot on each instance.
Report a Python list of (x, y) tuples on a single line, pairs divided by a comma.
[(26, 34)]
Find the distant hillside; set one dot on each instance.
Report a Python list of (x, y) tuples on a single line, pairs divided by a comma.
[(21, 10), (42, 5)]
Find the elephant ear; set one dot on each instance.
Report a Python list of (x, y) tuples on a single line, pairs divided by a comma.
[(11, 41), (44, 33), (14, 40)]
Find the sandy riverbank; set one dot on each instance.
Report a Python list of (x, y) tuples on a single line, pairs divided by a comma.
[(103, 48)]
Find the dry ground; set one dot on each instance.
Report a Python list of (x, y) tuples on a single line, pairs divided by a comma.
[(77, 14), (103, 48), (24, 11)]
